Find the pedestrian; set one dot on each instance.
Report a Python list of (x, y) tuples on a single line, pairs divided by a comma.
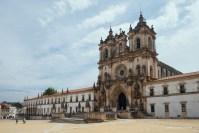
[(16, 120), (24, 120)]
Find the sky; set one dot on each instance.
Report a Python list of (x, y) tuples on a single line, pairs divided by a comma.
[(54, 43)]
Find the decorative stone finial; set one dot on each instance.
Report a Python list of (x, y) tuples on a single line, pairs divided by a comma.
[(130, 28), (141, 18), (101, 41), (110, 31), (152, 27), (120, 30)]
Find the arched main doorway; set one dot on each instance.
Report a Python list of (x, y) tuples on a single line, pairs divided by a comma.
[(122, 101)]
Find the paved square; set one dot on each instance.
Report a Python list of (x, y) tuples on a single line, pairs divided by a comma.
[(117, 126)]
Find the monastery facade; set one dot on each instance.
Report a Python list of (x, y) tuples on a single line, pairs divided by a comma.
[(132, 82)]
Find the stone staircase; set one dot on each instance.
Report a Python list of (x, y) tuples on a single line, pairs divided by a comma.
[(136, 113), (72, 118), (124, 115), (133, 113)]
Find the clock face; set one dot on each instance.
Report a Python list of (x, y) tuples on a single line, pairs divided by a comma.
[(121, 71)]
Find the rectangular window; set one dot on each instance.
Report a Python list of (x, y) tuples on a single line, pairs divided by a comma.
[(182, 88), (151, 92), (58, 100), (152, 108), (89, 97), (55, 100), (166, 107), (165, 90), (70, 109), (76, 98), (83, 98), (71, 98), (183, 107)]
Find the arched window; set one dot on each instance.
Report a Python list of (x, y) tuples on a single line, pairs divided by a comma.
[(138, 69), (150, 43), (138, 44), (106, 53)]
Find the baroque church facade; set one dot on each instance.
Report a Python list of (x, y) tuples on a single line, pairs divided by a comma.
[(127, 62), (132, 81)]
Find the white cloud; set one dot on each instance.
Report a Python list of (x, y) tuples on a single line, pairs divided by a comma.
[(182, 39), (77, 5), (61, 7), (104, 17), (93, 38), (168, 18)]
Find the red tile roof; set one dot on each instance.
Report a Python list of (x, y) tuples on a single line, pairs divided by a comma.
[(72, 91), (176, 77), (79, 90)]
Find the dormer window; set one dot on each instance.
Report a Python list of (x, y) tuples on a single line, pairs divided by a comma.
[(182, 88), (151, 91), (165, 90), (138, 44)]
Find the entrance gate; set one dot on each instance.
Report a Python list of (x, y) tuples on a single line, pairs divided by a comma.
[(121, 102)]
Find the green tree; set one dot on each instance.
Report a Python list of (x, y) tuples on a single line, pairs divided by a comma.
[(49, 91)]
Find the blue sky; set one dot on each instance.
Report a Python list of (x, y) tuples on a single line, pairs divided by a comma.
[(55, 42)]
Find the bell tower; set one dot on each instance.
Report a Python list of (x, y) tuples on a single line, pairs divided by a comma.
[(142, 43), (142, 36)]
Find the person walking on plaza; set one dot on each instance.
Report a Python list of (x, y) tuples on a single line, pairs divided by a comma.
[(24, 120)]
